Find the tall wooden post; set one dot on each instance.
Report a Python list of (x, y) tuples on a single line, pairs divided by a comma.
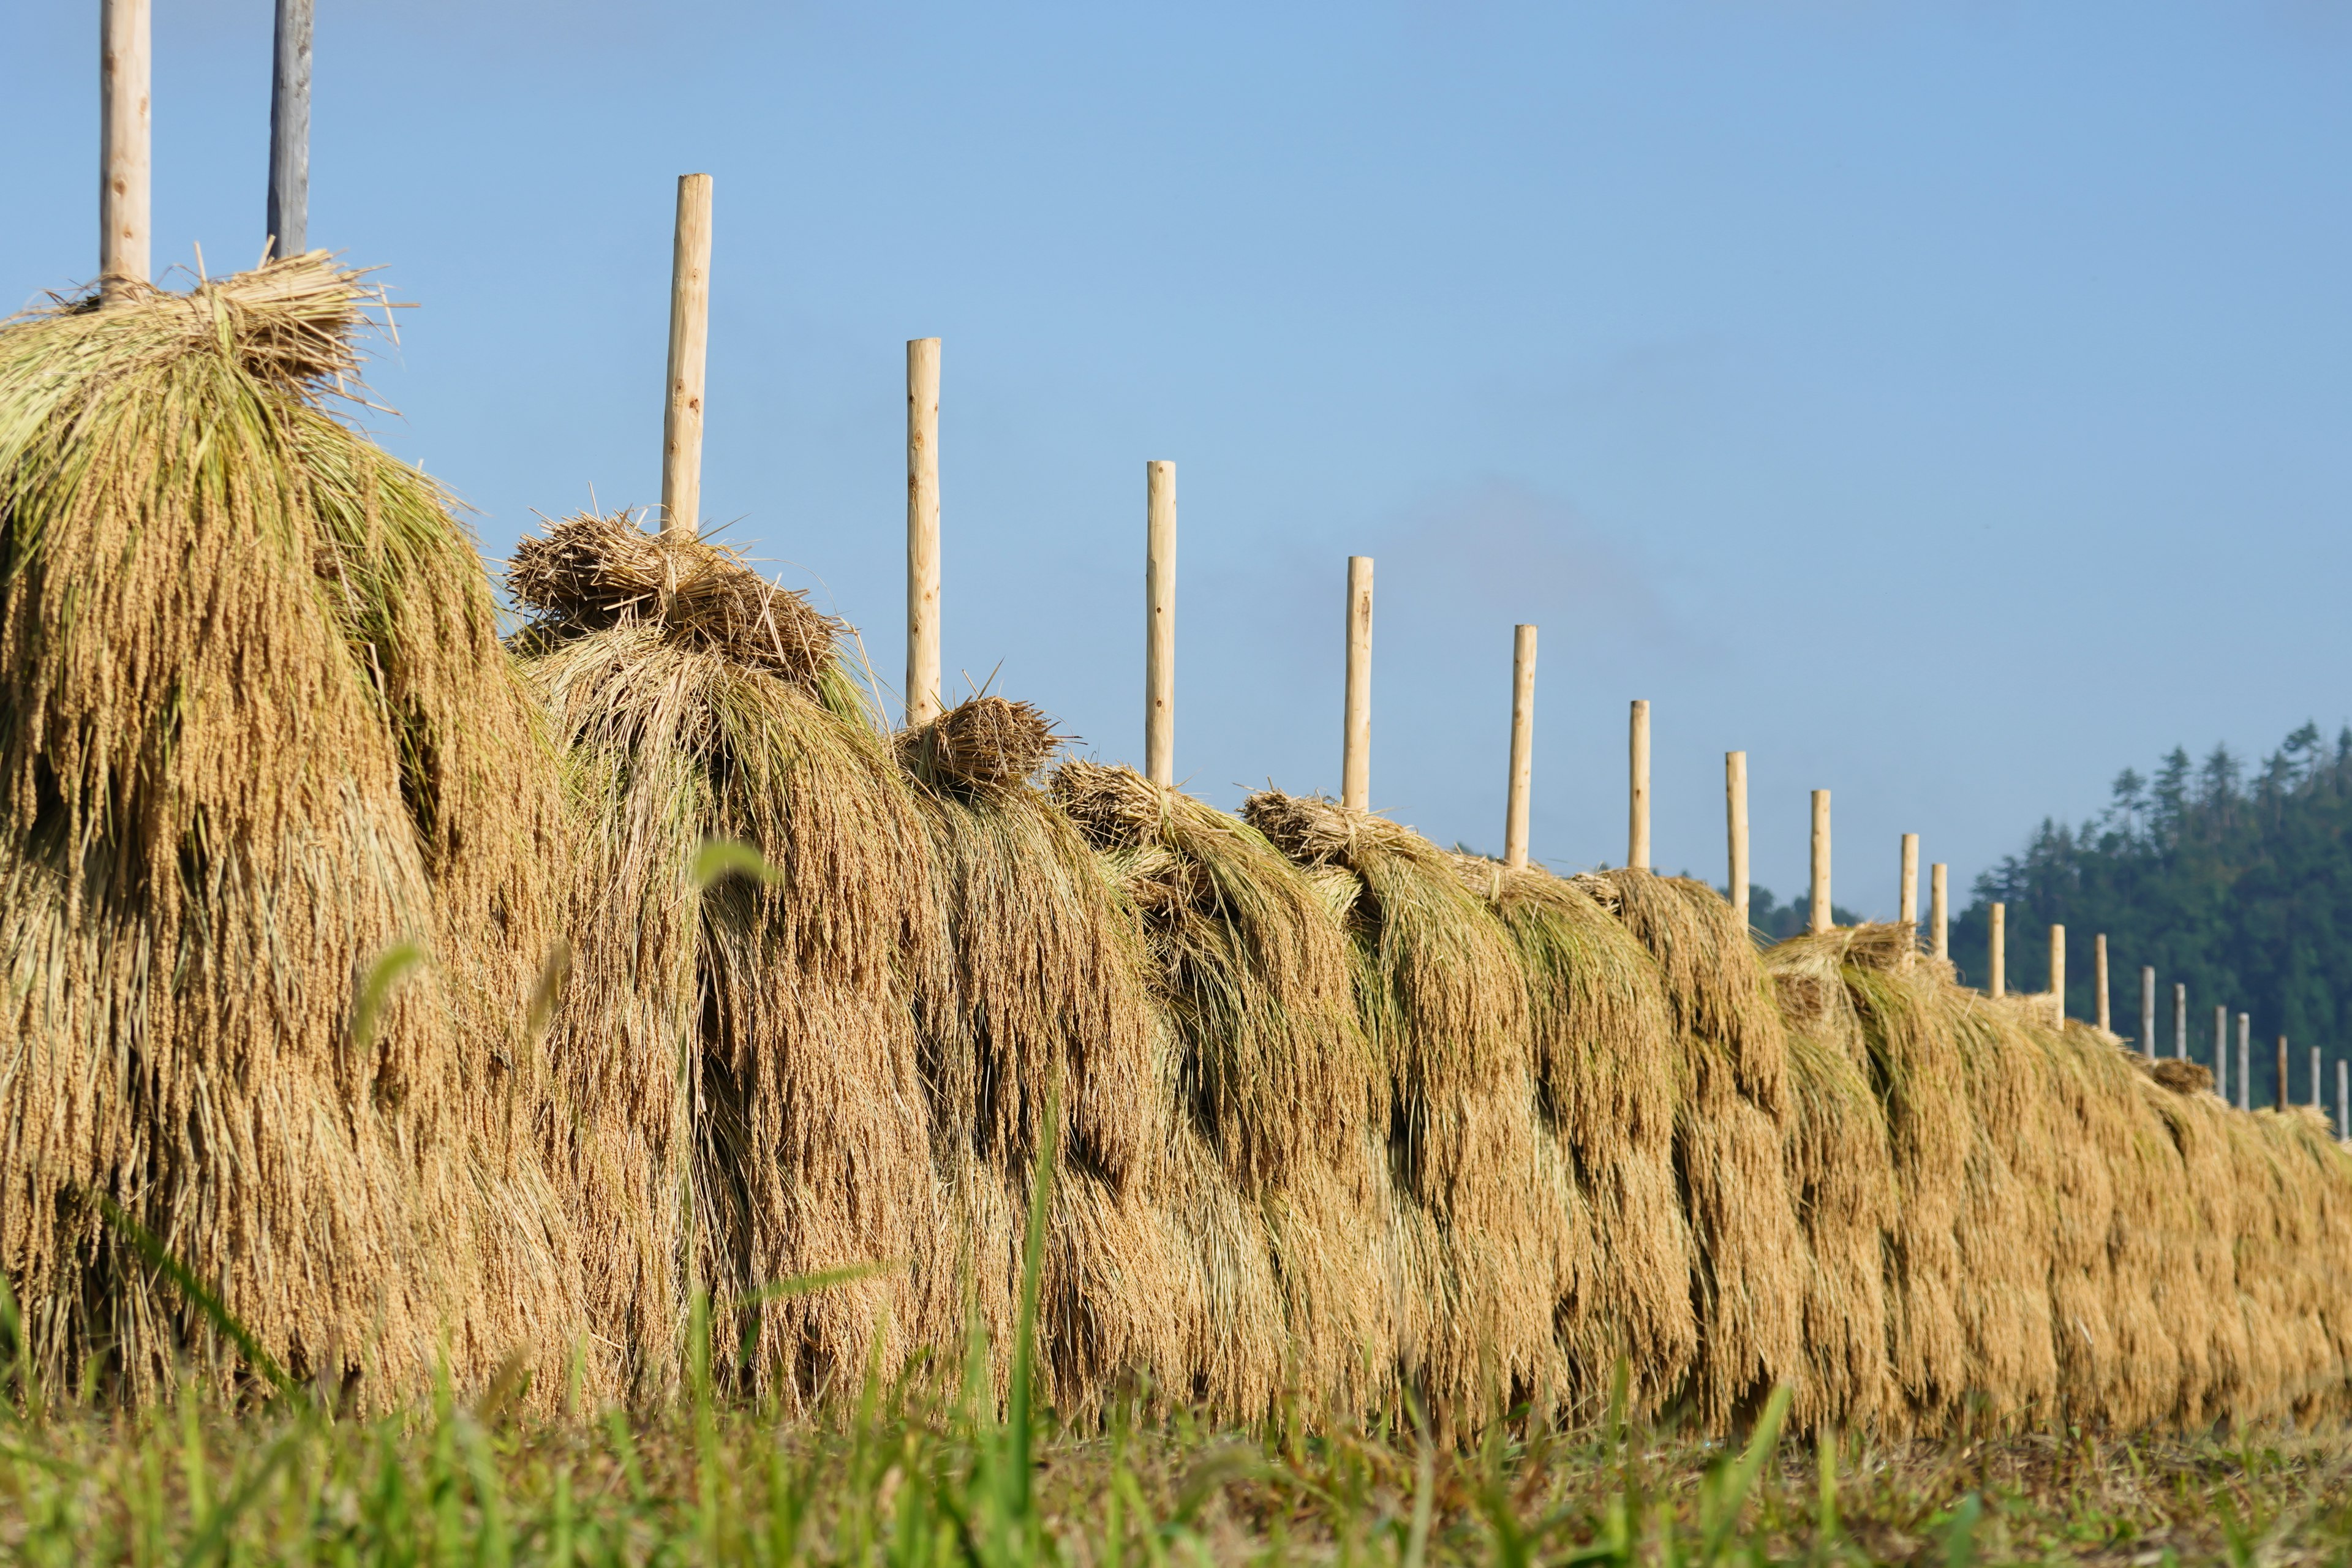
[(289, 131), (1160, 623), (2343, 1097), (1819, 918), (125, 138), (1735, 811), (2148, 1011), (2279, 1089), (689, 351), (1907, 886), (1940, 911), (2179, 1021), (2221, 1053), (2318, 1099), (1523, 746), (2058, 969), (1356, 747), (2245, 1062), (1996, 941), (2100, 1013), (1637, 796), (922, 691)]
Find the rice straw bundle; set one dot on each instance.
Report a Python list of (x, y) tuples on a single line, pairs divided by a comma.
[(256, 734), (1730, 1112), (1490, 1228), (2007, 1224), (1269, 1073), (2198, 1294), (1604, 1049), (746, 1090)]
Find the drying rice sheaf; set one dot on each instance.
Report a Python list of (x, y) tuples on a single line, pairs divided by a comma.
[(1490, 1230), (746, 1095), (257, 734), (1270, 1075), (1731, 1113)]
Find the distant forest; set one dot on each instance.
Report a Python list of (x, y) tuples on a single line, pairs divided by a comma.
[(2239, 886)]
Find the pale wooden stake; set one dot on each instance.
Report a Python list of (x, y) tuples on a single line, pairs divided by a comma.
[(2058, 969), (2179, 1021), (289, 131), (1523, 743), (2148, 1011), (922, 693), (689, 351), (2245, 1062), (2318, 1101), (2282, 1073), (1355, 737), (1998, 942), (1735, 808), (1637, 796), (2221, 1053), (125, 140), (1160, 623), (1908, 885), (2343, 1097), (1939, 909), (2100, 1013), (1818, 920)]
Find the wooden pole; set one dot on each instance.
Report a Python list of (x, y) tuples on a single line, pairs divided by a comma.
[(289, 131), (1637, 799), (2148, 1011), (2281, 1074), (1735, 810), (1907, 886), (2179, 1021), (2318, 1099), (1939, 909), (922, 691), (2245, 1062), (1356, 741), (2058, 969), (2221, 1053), (1998, 940), (1159, 622), (2099, 1002), (1819, 919), (689, 351), (2343, 1097), (125, 137), (1523, 743)]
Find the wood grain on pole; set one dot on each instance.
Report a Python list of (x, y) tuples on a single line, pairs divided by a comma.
[(1997, 943), (2221, 1053), (1939, 909), (1523, 743), (1735, 810), (2058, 969), (1637, 795), (1160, 623), (2179, 1021), (1818, 919), (689, 352), (922, 691), (1908, 885), (1356, 739), (2099, 1003), (125, 140), (289, 131), (2245, 1062), (2147, 1011)]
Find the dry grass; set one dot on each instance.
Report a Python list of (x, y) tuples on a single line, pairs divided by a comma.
[(983, 742)]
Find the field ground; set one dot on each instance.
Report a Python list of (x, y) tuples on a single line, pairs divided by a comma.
[(898, 1480)]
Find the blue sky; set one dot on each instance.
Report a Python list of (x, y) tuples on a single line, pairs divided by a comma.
[(1946, 403)]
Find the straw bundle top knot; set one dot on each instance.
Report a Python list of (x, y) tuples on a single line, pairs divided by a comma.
[(983, 742), (589, 574), (1315, 829), (1114, 807), (2182, 1077)]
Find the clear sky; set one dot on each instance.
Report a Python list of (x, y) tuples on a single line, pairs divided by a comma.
[(1946, 403)]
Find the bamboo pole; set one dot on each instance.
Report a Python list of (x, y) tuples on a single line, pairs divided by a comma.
[(2058, 969), (2280, 1086), (2179, 1021), (1735, 811), (2148, 1011), (1998, 942), (1160, 623), (689, 351), (2245, 1062), (922, 690), (1819, 918), (1939, 909), (2100, 1013), (1637, 797), (1908, 888), (1523, 743), (125, 142), (2221, 1053), (290, 129), (1356, 743)]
